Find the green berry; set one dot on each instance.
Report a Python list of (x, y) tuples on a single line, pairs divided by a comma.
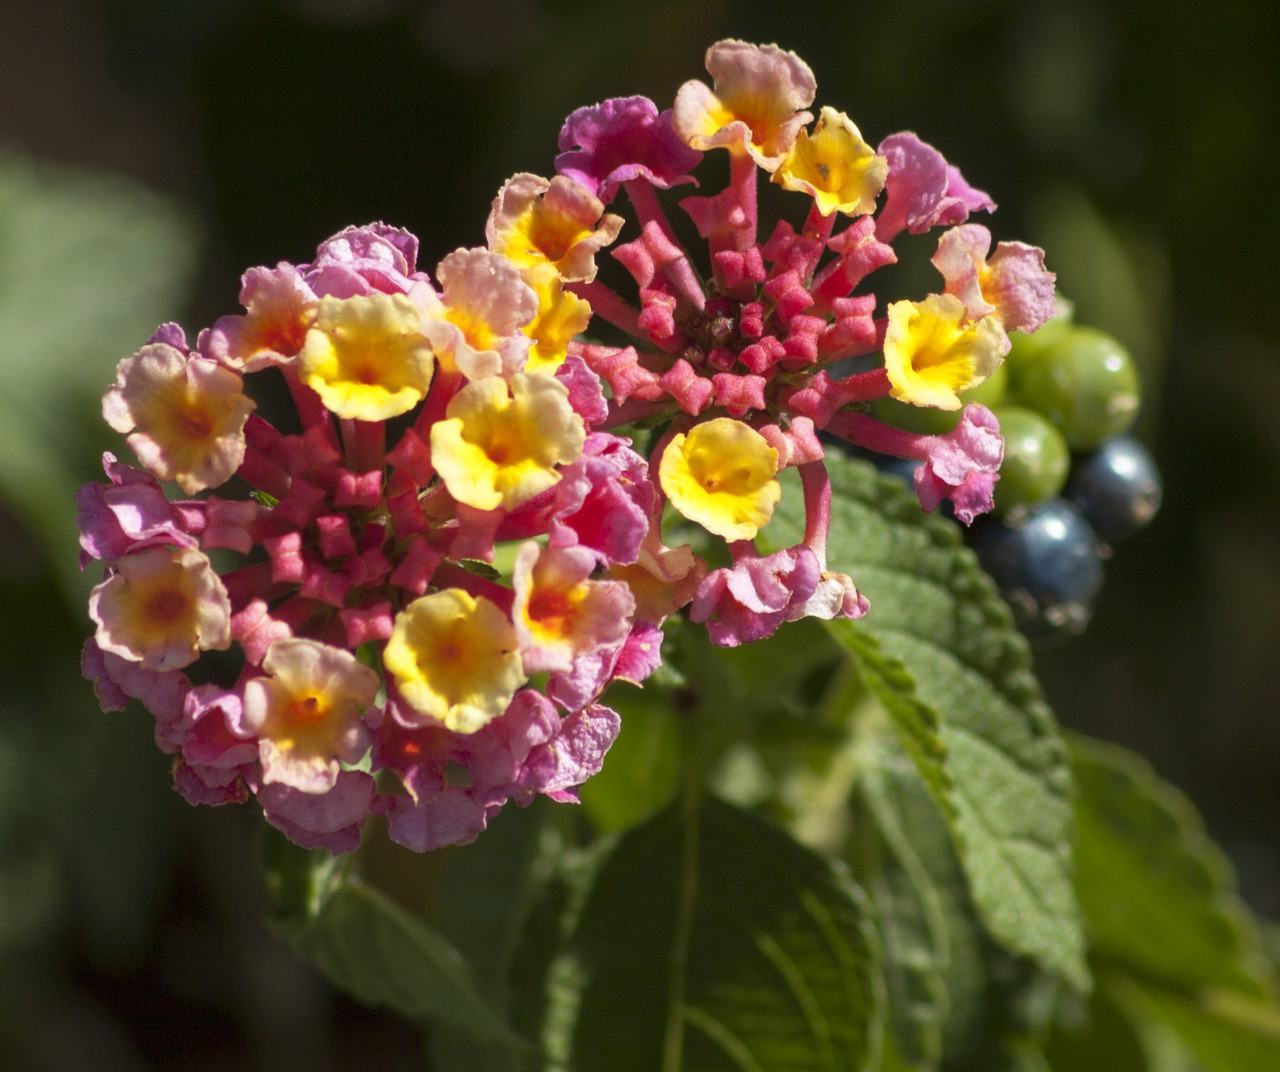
[(1086, 384), (1036, 459), (1026, 348)]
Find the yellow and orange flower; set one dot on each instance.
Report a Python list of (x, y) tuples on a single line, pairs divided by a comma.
[(755, 106), (722, 475), (162, 608), (557, 222), (306, 713), (454, 659), (186, 415), (367, 357), (835, 166), (932, 351), (500, 444)]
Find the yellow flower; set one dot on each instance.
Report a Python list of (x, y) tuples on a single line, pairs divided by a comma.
[(723, 475), (367, 357), (162, 608), (754, 108), (306, 713), (454, 659), (931, 353), (835, 166), (187, 415), (561, 316), (498, 449)]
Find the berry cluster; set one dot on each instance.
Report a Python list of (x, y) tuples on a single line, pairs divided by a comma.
[(1073, 482)]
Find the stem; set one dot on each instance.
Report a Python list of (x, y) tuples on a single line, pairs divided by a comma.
[(686, 901), (366, 444), (816, 482), (864, 431), (742, 177), (311, 410), (679, 272), (608, 305)]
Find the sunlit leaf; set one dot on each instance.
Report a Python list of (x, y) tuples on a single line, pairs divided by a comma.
[(704, 940), (939, 650)]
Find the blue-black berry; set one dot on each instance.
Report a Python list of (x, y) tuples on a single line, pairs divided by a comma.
[(1117, 488), (1046, 566)]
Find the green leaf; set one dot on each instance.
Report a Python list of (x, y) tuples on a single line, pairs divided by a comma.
[(1158, 896), (952, 991), (939, 650), (1226, 1031), (886, 855), (480, 901), (89, 265), (643, 770), (370, 947), (704, 940)]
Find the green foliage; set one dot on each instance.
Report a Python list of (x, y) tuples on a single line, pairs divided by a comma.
[(1156, 892), (940, 653), (370, 947), (1179, 961), (923, 914), (704, 939)]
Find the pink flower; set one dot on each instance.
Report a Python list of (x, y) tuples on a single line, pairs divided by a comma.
[(622, 139), (962, 465), (922, 189), (749, 600)]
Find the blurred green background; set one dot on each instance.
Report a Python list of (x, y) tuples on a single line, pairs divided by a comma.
[(150, 150)]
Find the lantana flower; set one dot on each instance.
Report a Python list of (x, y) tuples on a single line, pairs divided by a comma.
[(384, 656), (932, 351), (454, 659), (500, 443), (834, 166), (185, 415), (755, 106), (554, 222), (162, 608), (366, 357), (723, 475), (306, 712)]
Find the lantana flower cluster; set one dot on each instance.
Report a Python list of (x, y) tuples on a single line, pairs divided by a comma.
[(408, 596)]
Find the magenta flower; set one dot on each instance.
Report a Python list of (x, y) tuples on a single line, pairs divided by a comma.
[(606, 145)]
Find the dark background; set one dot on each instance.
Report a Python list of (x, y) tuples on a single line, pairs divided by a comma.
[(1139, 149)]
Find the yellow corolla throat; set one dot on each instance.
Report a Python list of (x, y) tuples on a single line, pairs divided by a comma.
[(931, 351), (367, 358), (722, 475)]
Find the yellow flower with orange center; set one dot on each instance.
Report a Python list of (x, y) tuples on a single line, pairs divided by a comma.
[(366, 357), (186, 415), (499, 444), (932, 352), (162, 608), (561, 317), (754, 108), (454, 659), (835, 166), (558, 223), (306, 713), (722, 475)]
